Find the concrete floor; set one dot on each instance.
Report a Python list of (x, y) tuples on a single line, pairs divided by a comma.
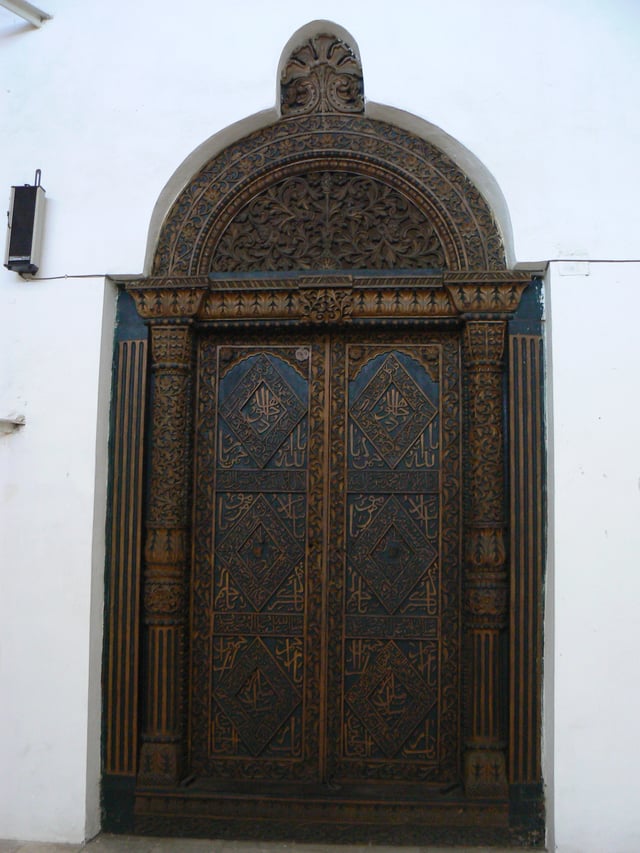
[(131, 844)]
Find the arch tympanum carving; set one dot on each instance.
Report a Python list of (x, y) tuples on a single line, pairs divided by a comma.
[(325, 220), (317, 172)]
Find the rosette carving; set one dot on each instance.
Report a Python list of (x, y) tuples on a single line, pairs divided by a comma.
[(164, 599), (486, 601), (326, 305)]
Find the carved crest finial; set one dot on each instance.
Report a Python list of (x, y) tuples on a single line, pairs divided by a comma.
[(323, 75)]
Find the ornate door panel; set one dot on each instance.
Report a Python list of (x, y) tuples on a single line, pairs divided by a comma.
[(394, 571), (257, 592), (325, 612)]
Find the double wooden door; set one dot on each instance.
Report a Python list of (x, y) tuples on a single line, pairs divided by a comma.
[(325, 602)]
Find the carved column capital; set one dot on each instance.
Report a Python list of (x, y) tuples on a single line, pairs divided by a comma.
[(492, 293), (171, 347), (484, 342), (164, 601), (486, 600), (167, 298)]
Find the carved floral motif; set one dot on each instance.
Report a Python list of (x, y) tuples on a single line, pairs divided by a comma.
[(163, 599), (485, 773), (173, 300), (322, 75), (168, 493), (486, 297), (329, 220), (486, 601), (165, 546), (327, 305)]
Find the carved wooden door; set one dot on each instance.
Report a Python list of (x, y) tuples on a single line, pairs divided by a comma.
[(298, 645), (325, 595)]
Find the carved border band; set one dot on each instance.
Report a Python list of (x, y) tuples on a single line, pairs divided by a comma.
[(123, 629), (527, 502)]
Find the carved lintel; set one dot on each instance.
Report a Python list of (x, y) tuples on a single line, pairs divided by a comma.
[(337, 298), (485, 773), (163, 283), (325, 305), (160, 764), (322, 75), (486, 291), (487, 277), (168, 299)]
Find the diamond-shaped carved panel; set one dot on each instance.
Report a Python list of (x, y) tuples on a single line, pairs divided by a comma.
[(391, 554), (257, 696), (259, 552), (390, 699), (392, 410), (262, 410)]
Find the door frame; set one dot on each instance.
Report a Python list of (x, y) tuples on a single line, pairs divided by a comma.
[(149, 792)]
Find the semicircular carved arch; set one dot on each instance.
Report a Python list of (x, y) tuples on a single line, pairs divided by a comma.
[(329, 191)]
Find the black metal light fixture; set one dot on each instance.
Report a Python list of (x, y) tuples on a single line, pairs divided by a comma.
[(24, 227)]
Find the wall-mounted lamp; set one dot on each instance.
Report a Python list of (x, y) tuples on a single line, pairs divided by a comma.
[(24, 227)]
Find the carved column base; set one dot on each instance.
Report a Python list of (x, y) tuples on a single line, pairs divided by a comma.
[(485, 773), (160, 764)]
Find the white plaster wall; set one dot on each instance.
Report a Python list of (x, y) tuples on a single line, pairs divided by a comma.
[(596, 485), (108, 99), (50, 334)]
